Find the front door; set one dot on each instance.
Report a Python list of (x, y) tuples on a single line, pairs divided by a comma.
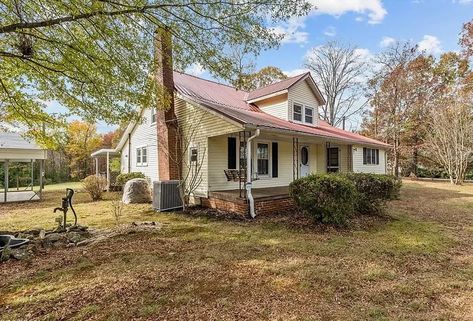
[(333, 163), (304, 160)]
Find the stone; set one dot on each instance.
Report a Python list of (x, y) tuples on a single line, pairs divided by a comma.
[(136, 191), (42, 234), (20, 253), (75, 237), (53, 237)]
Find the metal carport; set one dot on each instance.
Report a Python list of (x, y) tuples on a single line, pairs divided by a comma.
[(16, 149)]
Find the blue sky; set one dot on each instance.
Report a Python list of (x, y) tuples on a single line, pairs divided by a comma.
[(433, 24), (366, 24)]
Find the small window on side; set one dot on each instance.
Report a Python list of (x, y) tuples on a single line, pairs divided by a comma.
[(193, 154), (153, 115)]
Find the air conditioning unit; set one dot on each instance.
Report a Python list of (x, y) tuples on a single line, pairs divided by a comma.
[(166, 196)]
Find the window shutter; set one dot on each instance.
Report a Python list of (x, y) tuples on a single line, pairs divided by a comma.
[(364, 155), (377, 157), (232, 155), (275, 158)]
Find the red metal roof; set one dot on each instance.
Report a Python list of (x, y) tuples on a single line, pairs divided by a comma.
[(276, 87), (231, 103)]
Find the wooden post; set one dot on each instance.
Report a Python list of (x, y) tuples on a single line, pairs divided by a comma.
[(97, 166), (5, 165), (108, 171), (32, 175), (41, 175)]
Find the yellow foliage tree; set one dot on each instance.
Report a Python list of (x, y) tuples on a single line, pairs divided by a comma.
[(82, 140)]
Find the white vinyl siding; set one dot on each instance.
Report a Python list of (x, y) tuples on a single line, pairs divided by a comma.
[(275, 106), (359, 167), (142, 136), (205, 125), (302, 93)]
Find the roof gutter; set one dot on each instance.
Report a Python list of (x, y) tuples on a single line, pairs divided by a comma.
[(295, 132)]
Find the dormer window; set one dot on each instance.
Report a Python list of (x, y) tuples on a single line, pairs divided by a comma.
[(298, 112), (303, 113), (309, 115)]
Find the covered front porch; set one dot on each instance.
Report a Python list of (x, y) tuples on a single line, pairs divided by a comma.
[(276, 160)]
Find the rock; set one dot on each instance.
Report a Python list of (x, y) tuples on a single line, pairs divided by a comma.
[(42, 234), (136, 191), (74, 237), (5, 254), (53, 237), (20, 253)]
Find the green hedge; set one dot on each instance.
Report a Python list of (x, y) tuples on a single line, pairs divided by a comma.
[(333, 198), (328, 198), (125, 177), (373, 190)]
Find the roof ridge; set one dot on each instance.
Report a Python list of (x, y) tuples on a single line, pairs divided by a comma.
[(212, 81)]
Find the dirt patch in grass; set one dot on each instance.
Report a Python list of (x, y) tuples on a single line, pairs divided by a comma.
[(417, 265)]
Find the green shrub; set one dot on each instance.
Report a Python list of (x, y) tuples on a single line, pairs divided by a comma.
[(373, 191), (328, 198), (95, 185), (125, 177)]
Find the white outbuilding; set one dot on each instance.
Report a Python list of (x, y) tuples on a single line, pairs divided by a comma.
[(16, 150)]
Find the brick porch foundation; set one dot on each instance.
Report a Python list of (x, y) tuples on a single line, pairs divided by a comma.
[(263, 206)]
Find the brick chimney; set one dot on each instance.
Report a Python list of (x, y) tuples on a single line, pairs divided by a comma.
[(167, 126)]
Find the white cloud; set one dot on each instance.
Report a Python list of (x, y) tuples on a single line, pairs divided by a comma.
[(386, 42), (330, 31), (430, 44), (295, 72), (291, 31), (195, 69), (374, 9), (463, 1), (363, 54), (359, 19)]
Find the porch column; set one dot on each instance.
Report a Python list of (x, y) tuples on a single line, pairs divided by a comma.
[(5, 185), (41, 176), (108, 171), (96, 166)]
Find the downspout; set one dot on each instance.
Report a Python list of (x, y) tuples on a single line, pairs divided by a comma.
[(249, 196)]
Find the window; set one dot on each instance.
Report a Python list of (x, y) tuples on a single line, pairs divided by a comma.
[(141, 156), (332, 160), (153, 115), (297, 112), (300, 111), (262, 156), (370, 156), (193, 154), (309, 115)]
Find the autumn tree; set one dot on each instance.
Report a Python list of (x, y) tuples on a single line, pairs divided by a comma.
[(391, 98), (449, 140), (95, 57), (466, 39), (264, 77), (82, 139), (339, 70)]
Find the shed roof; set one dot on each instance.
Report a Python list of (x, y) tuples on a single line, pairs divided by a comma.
[(16, 141)]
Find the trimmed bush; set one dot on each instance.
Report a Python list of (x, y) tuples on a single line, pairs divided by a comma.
[(328, 198), (94, 186), (373, 191), (125, 177)]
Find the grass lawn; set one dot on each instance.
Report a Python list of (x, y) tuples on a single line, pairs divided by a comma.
[(416, 265)]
